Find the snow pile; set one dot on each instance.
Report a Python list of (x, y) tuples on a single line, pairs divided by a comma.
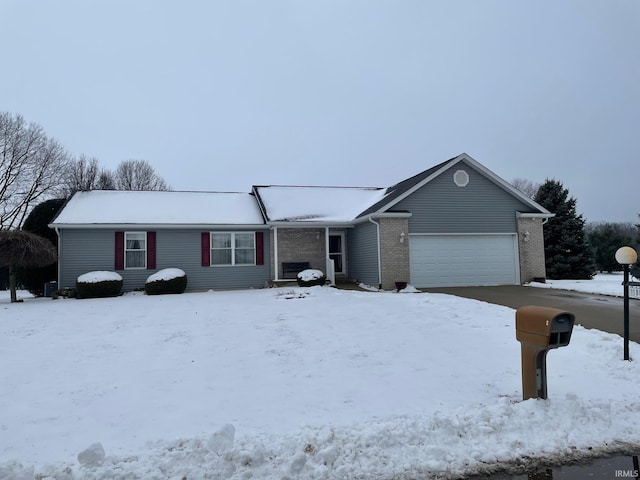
[(310, 275), (99, 276), (166, 274), (300, 383), (92, 456), (603, 283)]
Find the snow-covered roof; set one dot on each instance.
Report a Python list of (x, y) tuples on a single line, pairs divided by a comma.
[(115, 207), (270, 203), (315, 204)]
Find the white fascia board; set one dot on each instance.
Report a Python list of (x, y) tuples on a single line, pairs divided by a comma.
[(349, 224), (510, 188), (157, 226), (484, 170), (310, 224), (535, 215), (419, 185), (383, 215)]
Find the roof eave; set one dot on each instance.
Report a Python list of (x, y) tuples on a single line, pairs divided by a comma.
[(167, 226), (341, 224), (534, 215), (488, 173)]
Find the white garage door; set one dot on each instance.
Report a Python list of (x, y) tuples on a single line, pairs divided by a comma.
[(463, 260)]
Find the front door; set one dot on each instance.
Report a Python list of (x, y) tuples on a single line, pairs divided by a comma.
[(336, 251)]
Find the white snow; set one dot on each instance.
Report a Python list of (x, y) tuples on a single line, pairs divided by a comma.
[(310, 274), (92, 456), (166, 274), (301, 383), (605, 284), (117, 207), (99, 276), (317, 204)]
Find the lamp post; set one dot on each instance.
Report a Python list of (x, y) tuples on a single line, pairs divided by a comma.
[(626, 256)]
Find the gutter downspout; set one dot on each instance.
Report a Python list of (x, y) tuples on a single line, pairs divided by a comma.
[(378, 245), (275, 255), (59, 279)]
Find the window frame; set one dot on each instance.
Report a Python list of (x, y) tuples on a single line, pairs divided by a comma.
[(233, 249), (145, 250)]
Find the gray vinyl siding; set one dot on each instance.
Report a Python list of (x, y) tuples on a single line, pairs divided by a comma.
[(480, 207), (362, 244), (85, 250)]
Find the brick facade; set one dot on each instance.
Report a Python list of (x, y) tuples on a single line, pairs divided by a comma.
[(531, 246), (394, 252), (302, 245)]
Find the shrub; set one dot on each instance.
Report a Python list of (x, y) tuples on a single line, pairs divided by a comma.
[(33, 279), (98, 284), (310, 278), (169, 280)]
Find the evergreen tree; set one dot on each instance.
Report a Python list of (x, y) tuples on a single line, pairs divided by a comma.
[(33, 279), (605, 239), (567, 252), (635, 269)]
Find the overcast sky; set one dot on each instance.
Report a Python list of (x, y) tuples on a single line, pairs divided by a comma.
[(219, 96)]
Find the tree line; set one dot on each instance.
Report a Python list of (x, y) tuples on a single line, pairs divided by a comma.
[(37, 175), (35, 167), (575, 249)]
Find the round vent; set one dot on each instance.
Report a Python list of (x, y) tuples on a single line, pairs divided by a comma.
[(461, 178)]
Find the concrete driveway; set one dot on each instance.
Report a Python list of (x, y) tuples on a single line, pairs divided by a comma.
[(591, 311)]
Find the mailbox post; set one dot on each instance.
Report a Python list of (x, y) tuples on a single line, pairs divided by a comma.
[(540, 329)]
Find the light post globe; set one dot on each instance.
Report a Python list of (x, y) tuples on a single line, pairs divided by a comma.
[(626, 256)]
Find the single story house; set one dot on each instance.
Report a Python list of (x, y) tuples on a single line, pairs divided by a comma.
[(455, 224)]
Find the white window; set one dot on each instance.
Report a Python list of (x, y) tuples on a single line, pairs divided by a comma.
[(231, 248), (135, 250)]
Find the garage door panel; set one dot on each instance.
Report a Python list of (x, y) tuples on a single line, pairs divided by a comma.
[(462, 260)]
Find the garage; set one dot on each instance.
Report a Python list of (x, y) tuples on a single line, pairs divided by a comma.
[(463, 260)]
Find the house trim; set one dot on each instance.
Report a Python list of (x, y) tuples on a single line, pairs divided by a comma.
[(383, 215), (475, 164), (535, 215), (156, 226)]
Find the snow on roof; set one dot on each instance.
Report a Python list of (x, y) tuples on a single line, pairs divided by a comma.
[(114, 207), (316, 204)]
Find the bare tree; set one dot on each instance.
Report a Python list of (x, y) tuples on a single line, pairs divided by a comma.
[(19, 248), (85, 174), (105, 180), (31, 168), (527, 187), (81, 174), (138, 175)]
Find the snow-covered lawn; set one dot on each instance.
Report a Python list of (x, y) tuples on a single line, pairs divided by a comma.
[(605, 284), (298, 383)]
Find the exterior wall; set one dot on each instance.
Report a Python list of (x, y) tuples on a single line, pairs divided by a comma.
[(394, 253), (479, 207), (531, 246), (300, 245), (362, 242), (85, 250)]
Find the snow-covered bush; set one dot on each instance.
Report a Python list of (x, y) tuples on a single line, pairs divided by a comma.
[(169, 280), (310, 278), (98, 284)]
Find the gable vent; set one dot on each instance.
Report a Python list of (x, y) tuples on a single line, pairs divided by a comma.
[(461, 178)]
